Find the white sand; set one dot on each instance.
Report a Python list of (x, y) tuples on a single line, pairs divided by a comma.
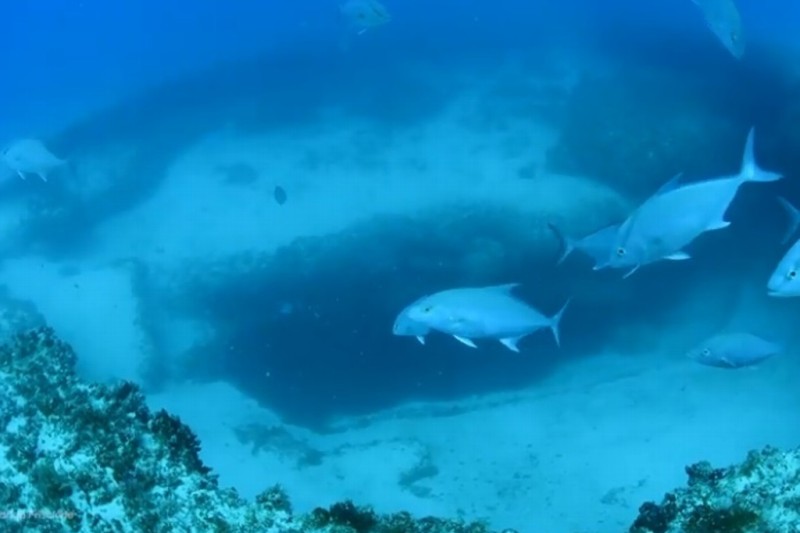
[(576, 453)]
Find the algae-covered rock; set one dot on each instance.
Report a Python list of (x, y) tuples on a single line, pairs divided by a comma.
[(760, 495), (87, 458)]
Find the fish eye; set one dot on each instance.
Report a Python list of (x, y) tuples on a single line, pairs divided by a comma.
[(427, 309), (706, 352), (620, 252), (792, 274)]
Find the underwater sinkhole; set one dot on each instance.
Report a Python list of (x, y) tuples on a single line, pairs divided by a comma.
[(307, 330)]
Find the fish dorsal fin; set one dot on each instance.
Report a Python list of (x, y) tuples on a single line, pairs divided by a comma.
[(506, 288), (671, 185)]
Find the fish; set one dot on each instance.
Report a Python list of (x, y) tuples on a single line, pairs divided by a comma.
[(723, 19), (482, 313), (279, 194), (794, 218), (597, 245), (404, 326), (677, 214), (362, 15), (30, 156), (784, 282), (733, 350)]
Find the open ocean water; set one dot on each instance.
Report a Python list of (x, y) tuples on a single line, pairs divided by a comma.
[(232, 203)]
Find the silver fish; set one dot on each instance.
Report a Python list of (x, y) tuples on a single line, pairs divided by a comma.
[(362, 15), (597, 245), (784, 282), (677, 214), (724, 21), (405, 327), (30, 156), (482, 313), (733, 350)]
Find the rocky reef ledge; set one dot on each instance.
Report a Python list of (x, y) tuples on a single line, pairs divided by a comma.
[(760, 495), (87, 457)]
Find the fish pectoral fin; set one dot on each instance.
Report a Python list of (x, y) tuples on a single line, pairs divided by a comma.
[(20, 174), (720, 224), (511, 343), (630, 272), (464, 340), (421, 339), (678, 256), (43, 176)]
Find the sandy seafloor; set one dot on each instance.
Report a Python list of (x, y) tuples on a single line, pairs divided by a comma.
[(575, 452)]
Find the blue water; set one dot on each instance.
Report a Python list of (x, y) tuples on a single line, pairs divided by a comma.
[(316, 314)]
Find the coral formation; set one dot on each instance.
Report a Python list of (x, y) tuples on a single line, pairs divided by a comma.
[(87, 457), (760, 495)]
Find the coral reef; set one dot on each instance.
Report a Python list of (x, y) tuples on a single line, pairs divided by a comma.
[(760, 495), (87, 457)]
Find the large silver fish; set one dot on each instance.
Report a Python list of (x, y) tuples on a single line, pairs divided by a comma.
[(677, 214), (482, 313), (724, 20), (733, 350), (784, 282), (597, 245)]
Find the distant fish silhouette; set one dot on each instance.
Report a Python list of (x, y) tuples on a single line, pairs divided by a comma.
[(362, 15), (733, 350), (30, 156), (279, 194), (724, 20)]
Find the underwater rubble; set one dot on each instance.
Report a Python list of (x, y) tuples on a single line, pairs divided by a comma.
[(759, 495), (90, 457)]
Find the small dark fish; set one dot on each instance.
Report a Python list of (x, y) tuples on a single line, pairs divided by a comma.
[(279, 194)]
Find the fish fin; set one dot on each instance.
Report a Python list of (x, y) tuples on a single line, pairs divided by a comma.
[(506, 288), (671, 185), (567, 244), (20, 174), (720, 224), (555, 322), (464, 340), (421, 339), (750, 170), (43, 176), (511, 343), (600, 266), (794, 218), (630, 272), (678, 256)]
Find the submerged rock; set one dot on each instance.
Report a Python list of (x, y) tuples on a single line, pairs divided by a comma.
[(760, 495), (87, 457)]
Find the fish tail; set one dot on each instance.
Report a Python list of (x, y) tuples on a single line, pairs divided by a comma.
[(555, 323), (750, 170), (567, 244), (794, 218)]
